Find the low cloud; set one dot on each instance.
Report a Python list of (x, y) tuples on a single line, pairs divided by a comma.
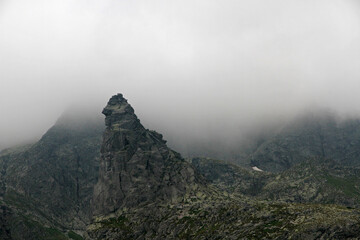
[(192, 69)]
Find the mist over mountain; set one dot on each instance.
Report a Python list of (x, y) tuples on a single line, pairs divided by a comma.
[(212, 69)]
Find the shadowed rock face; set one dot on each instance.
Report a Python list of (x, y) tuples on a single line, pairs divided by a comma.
[(136, 166), (47, 186), (319, 135)]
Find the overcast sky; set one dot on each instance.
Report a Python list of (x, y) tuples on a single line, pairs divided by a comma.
[(194, 65)]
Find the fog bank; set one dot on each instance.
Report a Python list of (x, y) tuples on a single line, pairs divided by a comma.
[(200, 69)]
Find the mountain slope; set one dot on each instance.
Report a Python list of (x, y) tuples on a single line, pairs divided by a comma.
[(49, 184), (316, 180), (313, 135)]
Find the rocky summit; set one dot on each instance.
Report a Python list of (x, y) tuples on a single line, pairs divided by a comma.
[(136, 166)]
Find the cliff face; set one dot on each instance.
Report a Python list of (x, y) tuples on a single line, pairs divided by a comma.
[(136, 166)]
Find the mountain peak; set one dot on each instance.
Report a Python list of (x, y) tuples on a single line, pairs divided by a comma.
[(119, 113), (136, 166)]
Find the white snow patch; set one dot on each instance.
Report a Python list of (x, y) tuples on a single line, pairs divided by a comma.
[(257, 169)]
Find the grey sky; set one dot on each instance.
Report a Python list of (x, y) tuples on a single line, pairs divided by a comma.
[(192, 65)]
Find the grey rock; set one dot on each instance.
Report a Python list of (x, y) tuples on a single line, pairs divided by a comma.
[(136, 166)]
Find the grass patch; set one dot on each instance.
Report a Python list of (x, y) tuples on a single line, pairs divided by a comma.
[(347, 186), (37, 231), (74, 236), (121, 223)]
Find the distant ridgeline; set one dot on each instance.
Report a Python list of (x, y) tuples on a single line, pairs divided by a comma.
[(279, 147), (313, 135), (84, 180)]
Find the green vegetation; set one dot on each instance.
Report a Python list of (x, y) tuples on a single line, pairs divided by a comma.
[(35, 230), (121, 223), (18, 200), (346, 185), (74, 236), (54, 234)]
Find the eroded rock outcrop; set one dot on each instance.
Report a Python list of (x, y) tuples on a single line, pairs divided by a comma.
[(136, 166)]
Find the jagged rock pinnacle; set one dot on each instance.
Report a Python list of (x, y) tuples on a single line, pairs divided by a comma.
[(136, 166), (118, 111)]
